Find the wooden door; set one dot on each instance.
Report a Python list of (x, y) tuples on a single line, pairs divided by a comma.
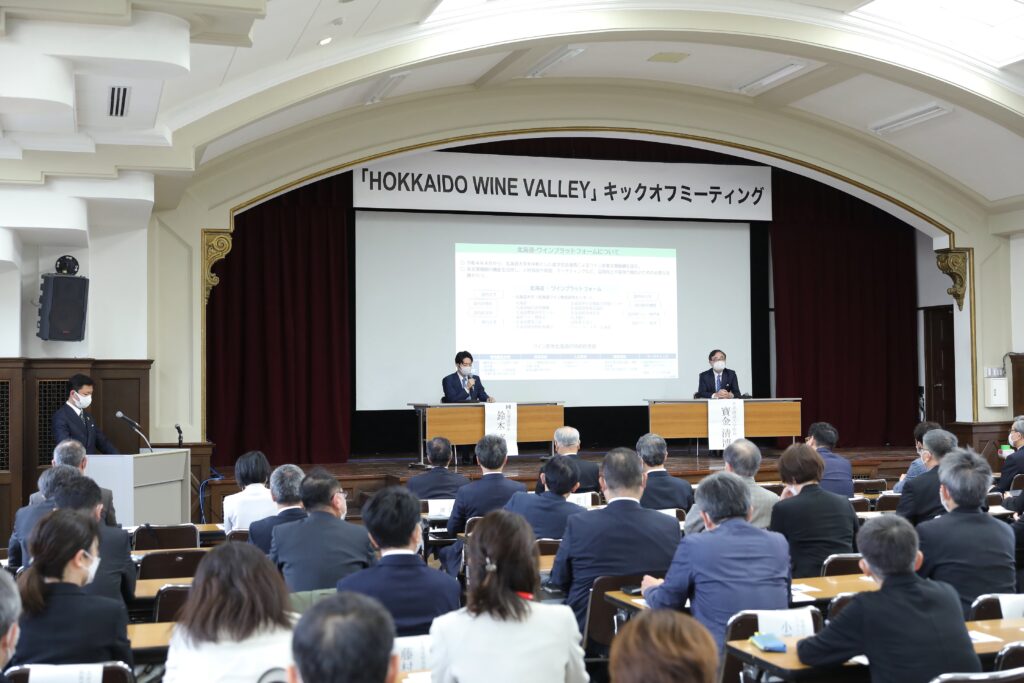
[(939, 365)]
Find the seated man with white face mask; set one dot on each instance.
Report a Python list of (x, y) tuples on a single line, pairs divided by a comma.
[(719, 381), (463, 386)]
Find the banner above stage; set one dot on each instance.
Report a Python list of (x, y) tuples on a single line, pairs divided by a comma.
[(489, 183)]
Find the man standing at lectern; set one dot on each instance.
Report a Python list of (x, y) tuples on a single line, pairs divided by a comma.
[(72, 422), (719, 381), (462, 385)]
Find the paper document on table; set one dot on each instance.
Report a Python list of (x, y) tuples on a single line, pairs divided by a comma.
[(67, 673), (804, 588), (1011, 605), (417, 677), (859, 659), (639, 601), (785, 622), (725, 422), (503, 419), (582, 499), (440, 508), (979, 637)]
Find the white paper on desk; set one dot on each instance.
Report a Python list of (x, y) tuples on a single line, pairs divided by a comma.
[(860, 659), (797, 597), (1011, 605), (67, 673), (867, 578), (639, 601), (440, 508), (979, 637), (725, 422), (785, 622), (804, 588), (503, 419), (671, 512), (413, 653), (582, 499), (418, 677)]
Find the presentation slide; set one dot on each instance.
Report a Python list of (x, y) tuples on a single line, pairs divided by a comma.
[(588, 311), (544, 312)]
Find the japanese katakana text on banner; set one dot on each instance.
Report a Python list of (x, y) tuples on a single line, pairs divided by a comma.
[(442, 181), (725, 422), (503, 419)]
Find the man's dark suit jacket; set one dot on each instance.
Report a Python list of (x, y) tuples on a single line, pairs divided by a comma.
[(25, 520), (106, 497), (437, 482), (68, 425), (919, 501), (317, 552), (620, 539), (116, 576), (887, 626), (451, 385), (838, 474), (706, 383), (589, 472), (74, 628), (409, 589), (476, 499), (546, 512), (1012, 466), (817, 524), (971, 551), (665, 491), (261, 531)]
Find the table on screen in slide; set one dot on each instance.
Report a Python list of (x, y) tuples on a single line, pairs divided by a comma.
[(567, 312)]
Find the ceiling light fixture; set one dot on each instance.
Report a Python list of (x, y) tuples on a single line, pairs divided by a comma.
[(774, 77), (560, 55), (909, 118), (325, 41), (385, 87)]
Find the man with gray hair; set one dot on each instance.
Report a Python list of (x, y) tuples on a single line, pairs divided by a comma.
[(567, 444), (71, 452), (662, 490), (286, 491), (887, 625), (733, 567), (967, 548), (25, 518), (1014, 463), (920, 498), (10, 612), (742, 458)]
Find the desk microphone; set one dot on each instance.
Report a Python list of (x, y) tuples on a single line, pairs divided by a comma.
[(121, 416), (181, 438)]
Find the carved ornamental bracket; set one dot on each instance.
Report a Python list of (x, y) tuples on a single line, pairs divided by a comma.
[(953, 262), (216, 245)]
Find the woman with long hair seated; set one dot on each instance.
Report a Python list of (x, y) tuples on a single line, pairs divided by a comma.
[(60, 622), (236, 624), (503, 633)]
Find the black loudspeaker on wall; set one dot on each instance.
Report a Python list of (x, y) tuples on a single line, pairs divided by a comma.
[(62, 304)]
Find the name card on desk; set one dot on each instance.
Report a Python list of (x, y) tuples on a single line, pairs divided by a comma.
[(503, 419), (413, 653), (725, 422), (785, 622)]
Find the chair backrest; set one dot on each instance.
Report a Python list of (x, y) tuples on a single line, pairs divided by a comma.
[(777, 489), (836, 605), (840, 564), (241, 535), (887, 502), (547, 546), (471, 524), (303, 600), (869, 485), (169, 601), (1010, 657), (860, 504), (986, 607), (113, 672), (155, 537), (600, 626), (1018, 483), (741, 626), (170, 564), (993, 499), (1005, 676)]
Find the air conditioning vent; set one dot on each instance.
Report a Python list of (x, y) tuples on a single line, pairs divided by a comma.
[(118, 101)]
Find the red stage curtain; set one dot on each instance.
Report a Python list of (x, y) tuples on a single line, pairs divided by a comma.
[(278, 330)]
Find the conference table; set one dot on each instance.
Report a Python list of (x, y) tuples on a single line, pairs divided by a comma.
[(688, 418), (146, 589)]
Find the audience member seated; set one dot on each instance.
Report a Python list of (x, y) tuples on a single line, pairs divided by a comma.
[(967, 548), (621, 539), (663, 646), (61, 623), (346, 638), (917, 467), (911, 629), (838, 475), (72, 453), (548, 512), (10, 611), (662, 490), (286, 491), (317, 552), (116, 576), (742, 458), (477, 498), (733, 567), (25, 518), (920, 498), (410, 590), (254, 501), (236, 624), (817, 523), (1014, 463), (502, 634), (438, 482), (567, 444)]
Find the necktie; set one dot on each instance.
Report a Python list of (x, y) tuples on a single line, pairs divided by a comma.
[(718, 383), (465, 383)]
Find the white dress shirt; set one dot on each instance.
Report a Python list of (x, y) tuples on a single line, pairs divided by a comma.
[(227, 661), (249, 505)]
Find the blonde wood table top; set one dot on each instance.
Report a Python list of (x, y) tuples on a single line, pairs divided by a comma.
[(146, 589), (140, 553), (546, 562), (146, 636)]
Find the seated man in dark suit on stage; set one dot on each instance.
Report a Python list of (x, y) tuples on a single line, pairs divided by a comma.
[(490, 492), (72, 422), (410, 590), (662, 490), (911, 629), (116, 576), (967, 548), (548, 512), (920, 498), (25, 518), (838, 475), (286, 490), (719, 381), (567, 444), (621, 539), (463, 386), (438, 482), (317, 552), (1014, 463), (71, 452)]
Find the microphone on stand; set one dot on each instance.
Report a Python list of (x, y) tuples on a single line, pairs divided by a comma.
[(181, 439), (135, 427)]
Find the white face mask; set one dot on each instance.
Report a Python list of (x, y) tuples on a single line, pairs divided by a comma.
[(93, 568), (466, 371), (718, 365), (83, 401)]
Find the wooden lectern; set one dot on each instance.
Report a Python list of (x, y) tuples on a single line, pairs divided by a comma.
[(148, 488)]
